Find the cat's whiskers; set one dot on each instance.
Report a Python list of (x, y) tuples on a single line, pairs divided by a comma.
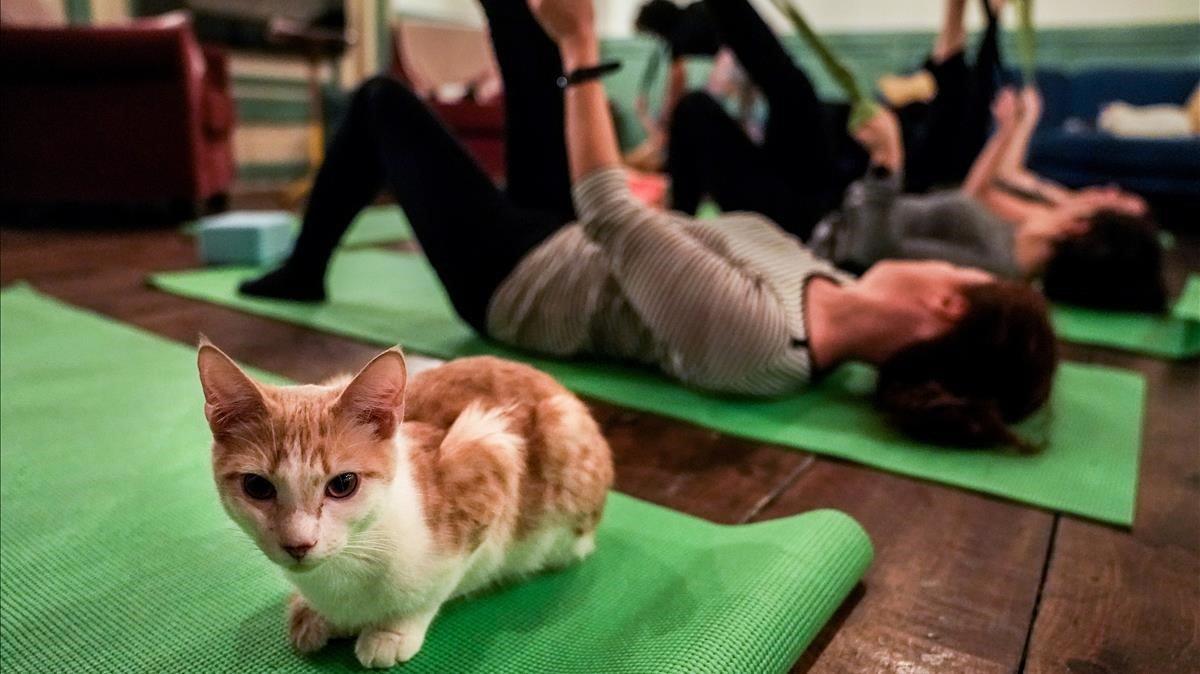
[(368, 549), (274, 441)]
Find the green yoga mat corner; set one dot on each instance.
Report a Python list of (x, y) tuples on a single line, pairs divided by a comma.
[(1187, 307), (116, 557), (1089, 467), (1173, 336)]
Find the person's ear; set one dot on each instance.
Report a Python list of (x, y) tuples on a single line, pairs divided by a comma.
[(948, 304)]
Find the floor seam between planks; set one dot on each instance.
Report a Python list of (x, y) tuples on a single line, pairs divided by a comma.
[(774, 494), (1037, 600)]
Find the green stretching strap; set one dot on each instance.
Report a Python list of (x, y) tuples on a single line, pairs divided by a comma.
[(862, 107), (1026, 41), (1092, 426), (116, 557)]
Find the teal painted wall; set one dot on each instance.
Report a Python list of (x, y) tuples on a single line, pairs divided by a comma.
[(868, 54), (79, 12)]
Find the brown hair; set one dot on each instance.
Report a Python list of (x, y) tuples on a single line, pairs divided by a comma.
[(1117, 265), (993, 368)]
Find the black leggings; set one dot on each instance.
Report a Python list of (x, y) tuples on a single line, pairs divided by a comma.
[(789, 177), (473, 233), (943, 137), (807, 159)]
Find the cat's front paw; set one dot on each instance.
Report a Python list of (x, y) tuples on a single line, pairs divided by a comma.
[(307, 630), (384, 648)]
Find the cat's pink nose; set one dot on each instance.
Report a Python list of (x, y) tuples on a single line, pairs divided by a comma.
[(298, 551)]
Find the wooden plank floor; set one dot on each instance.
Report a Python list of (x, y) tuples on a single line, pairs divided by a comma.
[(961, 582)]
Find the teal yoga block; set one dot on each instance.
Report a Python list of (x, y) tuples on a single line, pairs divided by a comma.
[(245, 237)]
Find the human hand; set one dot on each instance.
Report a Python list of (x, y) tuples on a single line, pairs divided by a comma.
[(1005, 107), (1111, 197), (570, 23), (1031, 104), (1038, 236), (880, 136)]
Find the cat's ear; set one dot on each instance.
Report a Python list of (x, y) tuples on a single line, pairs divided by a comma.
[(230, 396), (375, 396)]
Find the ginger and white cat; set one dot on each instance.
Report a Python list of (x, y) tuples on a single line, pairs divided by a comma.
[(381, 504)]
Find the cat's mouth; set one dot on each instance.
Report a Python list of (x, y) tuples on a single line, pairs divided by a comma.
[(302, 566)]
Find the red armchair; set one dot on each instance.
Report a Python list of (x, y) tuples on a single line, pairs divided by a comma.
[(116, 115)]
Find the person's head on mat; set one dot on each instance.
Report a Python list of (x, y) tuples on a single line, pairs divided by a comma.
[(1114, 263), (961, 354)]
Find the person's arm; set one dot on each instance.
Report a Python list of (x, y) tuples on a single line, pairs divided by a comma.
[(1009, 207), (716, 318), (591, 134), (676, 86), (714, 315), (880, 137), (984, 170), (1012, 163), (1013, 168), (1037, 237), (723, 78)]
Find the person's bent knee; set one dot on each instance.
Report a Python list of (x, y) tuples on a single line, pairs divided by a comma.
[(695, 105), (691, 116), (382, 90)]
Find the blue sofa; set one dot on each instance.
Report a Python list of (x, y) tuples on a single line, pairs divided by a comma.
[(1069, 149)]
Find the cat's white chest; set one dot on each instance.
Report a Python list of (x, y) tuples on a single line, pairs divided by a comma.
[(401, 574)]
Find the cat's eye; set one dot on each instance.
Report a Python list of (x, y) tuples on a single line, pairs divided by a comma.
[(257, 487), (342, 486)]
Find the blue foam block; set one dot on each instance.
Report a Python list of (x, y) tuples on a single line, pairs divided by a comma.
[(246, 237)]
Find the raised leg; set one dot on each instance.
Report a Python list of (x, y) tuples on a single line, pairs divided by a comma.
[(469, 230), (710, 155), (796, 138), (537, 173)]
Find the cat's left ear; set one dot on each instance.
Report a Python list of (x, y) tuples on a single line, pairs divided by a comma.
[(231, 398), (375, 396)]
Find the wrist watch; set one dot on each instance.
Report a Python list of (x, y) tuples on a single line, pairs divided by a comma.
[(588, 73)]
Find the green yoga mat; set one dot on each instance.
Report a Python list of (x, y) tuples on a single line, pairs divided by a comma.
[(1187, 307), (378, 225), (1175, 336), (375, 225), (1092, 427), (116, 557)]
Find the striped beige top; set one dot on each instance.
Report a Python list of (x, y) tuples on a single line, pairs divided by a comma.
[(718, 304)]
